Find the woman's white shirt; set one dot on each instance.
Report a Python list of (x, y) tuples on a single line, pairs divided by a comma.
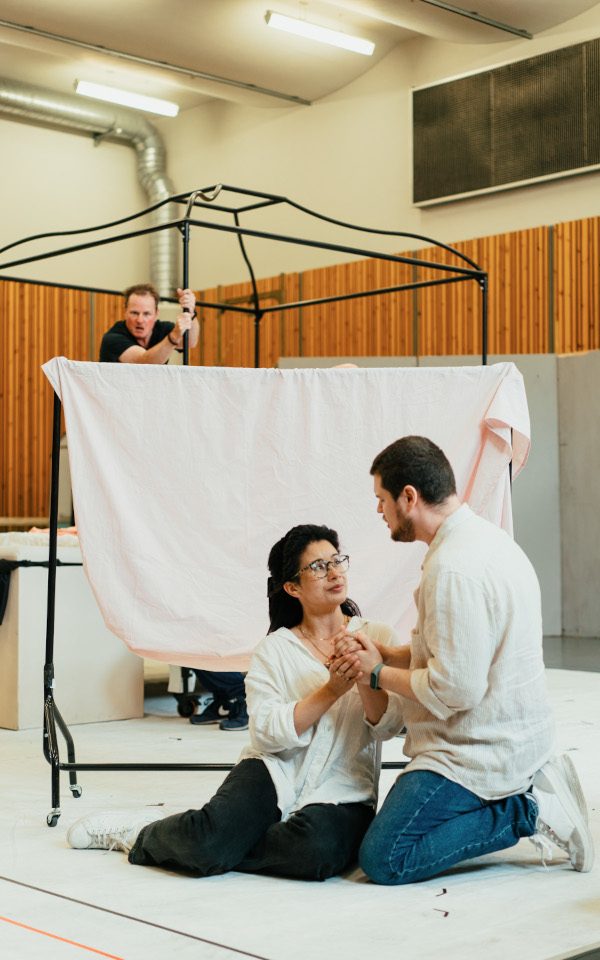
[(337, 759)]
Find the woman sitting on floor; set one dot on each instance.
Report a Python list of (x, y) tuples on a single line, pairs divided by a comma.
[(303, 793)]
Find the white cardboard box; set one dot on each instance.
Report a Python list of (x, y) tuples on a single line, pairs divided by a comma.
[(96, 676)]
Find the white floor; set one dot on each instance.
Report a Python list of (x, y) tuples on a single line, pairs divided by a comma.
[(57, 903)]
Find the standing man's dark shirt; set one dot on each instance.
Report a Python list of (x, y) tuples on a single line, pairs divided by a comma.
[(140, 337), (118, 339)]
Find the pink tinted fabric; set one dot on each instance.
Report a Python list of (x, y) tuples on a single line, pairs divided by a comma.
[(184, 477)]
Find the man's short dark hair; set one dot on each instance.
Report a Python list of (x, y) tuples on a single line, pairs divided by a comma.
[(418, 462), (142, 290)]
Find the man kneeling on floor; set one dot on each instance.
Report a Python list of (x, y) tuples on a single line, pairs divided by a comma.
[(479, 726)]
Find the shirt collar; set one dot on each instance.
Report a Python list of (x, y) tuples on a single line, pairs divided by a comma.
[(463, 513)]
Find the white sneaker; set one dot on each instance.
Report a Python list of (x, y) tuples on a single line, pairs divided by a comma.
[(562, 813), (113, 830)]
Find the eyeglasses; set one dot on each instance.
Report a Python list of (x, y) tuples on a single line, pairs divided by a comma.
[(320, 568)]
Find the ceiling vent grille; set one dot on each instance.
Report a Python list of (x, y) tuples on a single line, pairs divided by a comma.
[(532, 120)]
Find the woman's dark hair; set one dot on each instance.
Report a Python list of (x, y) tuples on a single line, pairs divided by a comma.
[(284, 563)]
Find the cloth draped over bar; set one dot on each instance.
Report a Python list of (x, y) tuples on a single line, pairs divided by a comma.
[(184, 477)]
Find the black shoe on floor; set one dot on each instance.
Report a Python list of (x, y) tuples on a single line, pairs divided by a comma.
[(238, 716), (213, 713)]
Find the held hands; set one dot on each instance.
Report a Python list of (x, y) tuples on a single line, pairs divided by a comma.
[(355, 652), (342, 676), (345, 642)]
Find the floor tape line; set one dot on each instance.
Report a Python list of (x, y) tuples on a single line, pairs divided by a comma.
[(55, 936), (126, 916)]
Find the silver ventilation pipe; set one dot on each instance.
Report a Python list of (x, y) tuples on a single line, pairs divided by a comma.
[(105, 120)]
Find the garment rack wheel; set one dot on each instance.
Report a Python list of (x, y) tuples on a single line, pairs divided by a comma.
[(187, 702)]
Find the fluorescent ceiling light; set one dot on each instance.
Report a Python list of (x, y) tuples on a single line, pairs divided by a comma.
[(127, 99), (312, 32)]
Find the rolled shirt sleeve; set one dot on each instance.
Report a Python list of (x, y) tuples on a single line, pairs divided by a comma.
[(455, 676), (392, 721), (271, 726)]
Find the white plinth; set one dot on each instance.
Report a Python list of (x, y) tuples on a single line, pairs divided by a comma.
[(96, 676)]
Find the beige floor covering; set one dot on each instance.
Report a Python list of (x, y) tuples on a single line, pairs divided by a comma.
[(59, 903)]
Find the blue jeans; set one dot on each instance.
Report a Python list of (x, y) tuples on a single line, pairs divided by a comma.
[(223, 685), (428, 823)]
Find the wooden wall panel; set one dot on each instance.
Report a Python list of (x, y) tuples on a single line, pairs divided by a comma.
[(518, 301), (106, 309), (576, 286), (518, 267), (37, 323), (449, 316), (227, 336), (379, 325), (544, 294), (368, 326)]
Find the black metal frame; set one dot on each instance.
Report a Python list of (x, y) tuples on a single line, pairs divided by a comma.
[(204, 198)]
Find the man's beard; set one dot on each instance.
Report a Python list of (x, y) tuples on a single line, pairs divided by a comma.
[(404, 531)]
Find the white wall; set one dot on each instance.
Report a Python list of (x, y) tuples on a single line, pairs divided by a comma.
[(56, 180), (579, 406), (349, 156)]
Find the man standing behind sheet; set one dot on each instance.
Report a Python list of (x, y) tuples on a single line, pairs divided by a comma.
[(141, 337), (480, 730)]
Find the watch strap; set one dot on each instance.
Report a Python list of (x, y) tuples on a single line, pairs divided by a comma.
[(374, 681)]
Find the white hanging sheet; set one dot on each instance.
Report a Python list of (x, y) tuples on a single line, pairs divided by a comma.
[(184, 477)]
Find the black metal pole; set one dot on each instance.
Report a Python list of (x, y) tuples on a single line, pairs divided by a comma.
[(151, 767), (49, 730), (483, 283), (53, 536), (257, 318), (185, 231), (258, 313), (73, 785)]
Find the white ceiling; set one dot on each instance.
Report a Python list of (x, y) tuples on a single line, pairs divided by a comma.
[(229, 39)]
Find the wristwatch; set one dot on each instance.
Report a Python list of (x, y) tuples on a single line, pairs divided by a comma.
[(374, 682)]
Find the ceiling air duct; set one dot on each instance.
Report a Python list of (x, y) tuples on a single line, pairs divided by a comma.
[(125, 126)]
